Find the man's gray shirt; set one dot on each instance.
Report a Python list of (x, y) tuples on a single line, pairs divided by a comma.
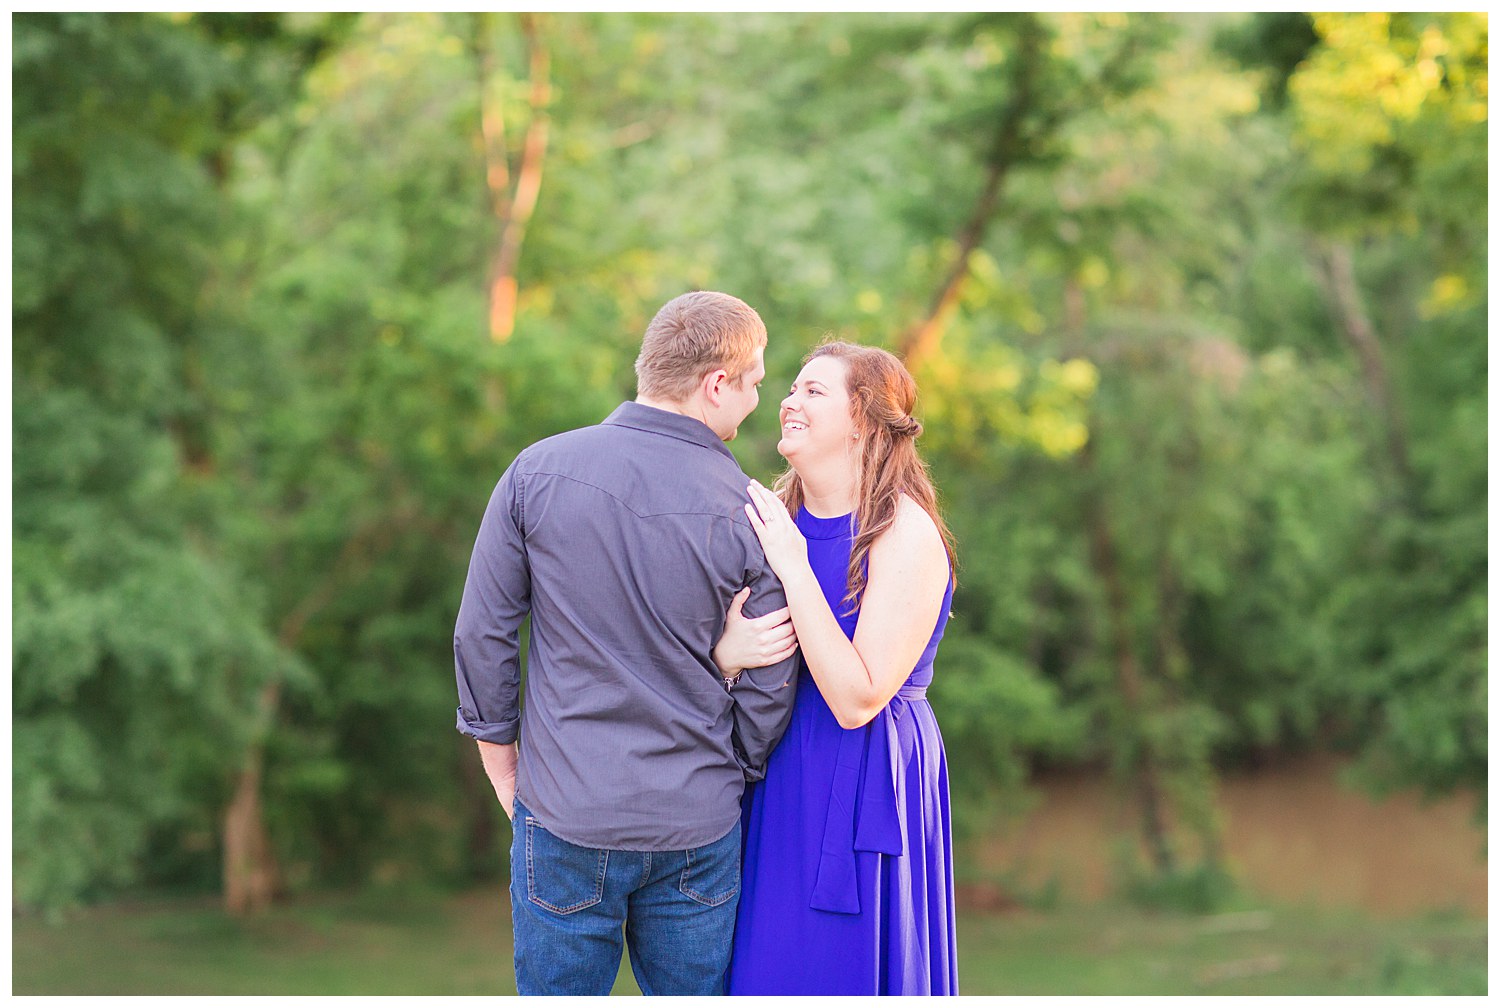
[(626, 543)]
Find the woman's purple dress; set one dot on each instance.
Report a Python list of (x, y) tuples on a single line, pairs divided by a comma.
[(848, 885)]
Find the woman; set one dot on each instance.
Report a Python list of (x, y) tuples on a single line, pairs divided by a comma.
[(848, 881)]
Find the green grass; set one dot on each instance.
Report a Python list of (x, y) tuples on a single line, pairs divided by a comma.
[(424, 943)]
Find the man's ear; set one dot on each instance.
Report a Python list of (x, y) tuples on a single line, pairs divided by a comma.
[(713, 385)]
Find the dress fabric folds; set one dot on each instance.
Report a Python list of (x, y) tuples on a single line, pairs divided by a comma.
[(848, 876)]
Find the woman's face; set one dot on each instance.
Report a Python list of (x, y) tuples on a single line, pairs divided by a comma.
[(816, 419)]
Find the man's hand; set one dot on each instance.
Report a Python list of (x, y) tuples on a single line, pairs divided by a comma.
[(753, 642), (500, 765)]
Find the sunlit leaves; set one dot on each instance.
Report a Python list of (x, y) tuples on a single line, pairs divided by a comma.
[(1376, 100)]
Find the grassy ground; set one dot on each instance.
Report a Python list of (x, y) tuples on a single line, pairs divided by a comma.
[(459, 944)]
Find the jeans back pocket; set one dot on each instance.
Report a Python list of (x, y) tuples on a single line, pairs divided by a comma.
[(562, 877), (712, 875)]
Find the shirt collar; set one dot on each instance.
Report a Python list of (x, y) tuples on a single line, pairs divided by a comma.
[(674, 425)]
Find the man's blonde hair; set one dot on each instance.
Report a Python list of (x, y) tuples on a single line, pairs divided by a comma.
[(692, 335)]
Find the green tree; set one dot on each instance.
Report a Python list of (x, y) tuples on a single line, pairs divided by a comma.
[(137, 641), (1197, 342), (1416, 143), (1388, 116)]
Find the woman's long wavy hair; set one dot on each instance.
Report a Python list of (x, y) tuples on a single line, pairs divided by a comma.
[(881, 396)]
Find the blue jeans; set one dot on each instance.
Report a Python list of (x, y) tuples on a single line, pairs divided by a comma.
[(574, 908)]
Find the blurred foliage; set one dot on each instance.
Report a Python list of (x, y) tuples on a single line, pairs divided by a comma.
[(1212, 502), (137, 641)]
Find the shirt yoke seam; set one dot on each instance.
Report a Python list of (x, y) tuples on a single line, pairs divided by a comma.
[(624, 504)]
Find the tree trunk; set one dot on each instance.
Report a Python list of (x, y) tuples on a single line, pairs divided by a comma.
[(1006, 149), (1342, 290), (251, 876), (513, 195), (1032, 113), (1145, 771), (923, 338)]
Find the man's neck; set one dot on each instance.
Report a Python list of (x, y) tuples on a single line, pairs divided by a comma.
[(687, 409)]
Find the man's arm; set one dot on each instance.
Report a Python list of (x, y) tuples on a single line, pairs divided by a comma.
[(763, 696), (500, 765), (486, 638)]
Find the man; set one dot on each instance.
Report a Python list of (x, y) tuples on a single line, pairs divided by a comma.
[(626, 543)]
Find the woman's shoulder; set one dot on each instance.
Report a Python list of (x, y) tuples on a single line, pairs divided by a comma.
[(912, 532)]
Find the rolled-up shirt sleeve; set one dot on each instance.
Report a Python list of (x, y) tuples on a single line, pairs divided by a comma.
[(496, 601), (763, 696)]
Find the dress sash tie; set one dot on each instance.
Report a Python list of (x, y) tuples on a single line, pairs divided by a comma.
[(866, 811)]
